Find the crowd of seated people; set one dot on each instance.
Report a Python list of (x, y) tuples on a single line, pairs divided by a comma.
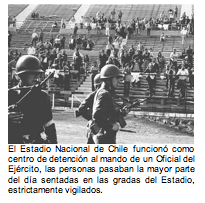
[(140, 59), (135, 59), (85, 43), (126, 29), (52, 55), (35, 15)]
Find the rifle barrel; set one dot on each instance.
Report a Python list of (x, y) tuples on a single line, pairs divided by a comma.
[(34, 87), (129, 131)]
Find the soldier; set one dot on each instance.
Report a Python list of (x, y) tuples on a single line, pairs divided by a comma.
[(85, 108), (104, 125), (33, 115)]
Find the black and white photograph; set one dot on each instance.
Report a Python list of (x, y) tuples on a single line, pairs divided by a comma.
[(101, 73)]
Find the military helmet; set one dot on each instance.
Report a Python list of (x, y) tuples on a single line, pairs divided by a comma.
[(97, 79), (28, 63), (110, 71)]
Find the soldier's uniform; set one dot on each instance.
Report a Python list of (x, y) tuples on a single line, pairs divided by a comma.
[(85, 108), (37, 114), (103, 114), (35, 108), (104, 111)]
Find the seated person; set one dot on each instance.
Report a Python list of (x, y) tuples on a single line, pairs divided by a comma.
[(170, 11), (162, 37), (90, 44), (33, 15), (54, 25), (37, 15)]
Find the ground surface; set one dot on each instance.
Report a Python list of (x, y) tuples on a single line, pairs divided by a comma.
[(72, 130)]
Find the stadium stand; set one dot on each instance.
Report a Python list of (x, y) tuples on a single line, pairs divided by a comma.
[(51, 13)]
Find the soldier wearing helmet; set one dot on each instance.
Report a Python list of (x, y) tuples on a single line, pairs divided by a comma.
[(85, 108), (104, 110), (34, 116)]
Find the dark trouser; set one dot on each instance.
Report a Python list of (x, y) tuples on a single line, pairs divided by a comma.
[(155, 82), (59, 81), (66, 82), (171, 87), (100, 66), (161, 67), (63, 46), (140, 66), (148, 31), (71, 46), (167, 80), (108, 52), (151, 85), (40, 39), (33, 41), (191, 80), (126, 89), (78, 74), (182, 86), (175, 65), (84, 45), (190, 60)]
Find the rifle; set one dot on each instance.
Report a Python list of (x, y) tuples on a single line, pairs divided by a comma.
[(121, 112), (32, 89), (129, 131)]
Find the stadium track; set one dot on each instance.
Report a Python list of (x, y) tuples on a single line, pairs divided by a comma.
[(71, 130)]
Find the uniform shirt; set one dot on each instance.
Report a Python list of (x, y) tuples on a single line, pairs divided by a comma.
[(36, 109)]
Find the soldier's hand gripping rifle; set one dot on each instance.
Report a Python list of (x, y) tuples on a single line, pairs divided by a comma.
[(33, 88), (122, 112)]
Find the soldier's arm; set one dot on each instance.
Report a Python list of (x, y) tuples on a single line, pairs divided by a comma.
[(85, 108)]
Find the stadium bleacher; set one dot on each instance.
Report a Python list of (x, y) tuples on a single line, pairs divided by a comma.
[(50, 13)]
